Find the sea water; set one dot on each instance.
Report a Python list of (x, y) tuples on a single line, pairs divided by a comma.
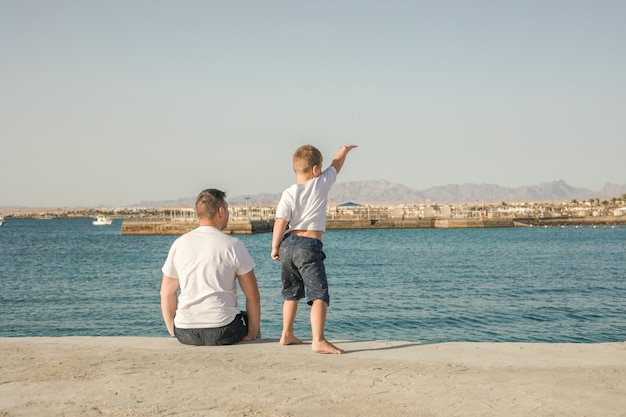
[(66, 277)]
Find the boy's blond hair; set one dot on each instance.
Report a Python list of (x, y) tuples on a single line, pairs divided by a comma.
[(305, 158)]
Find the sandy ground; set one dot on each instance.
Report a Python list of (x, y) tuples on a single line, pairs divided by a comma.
[(132, 376)]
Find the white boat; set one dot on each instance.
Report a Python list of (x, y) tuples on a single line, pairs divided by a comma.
[(102, 221), (1, 220)]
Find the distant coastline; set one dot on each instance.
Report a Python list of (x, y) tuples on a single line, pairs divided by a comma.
[(253, 218), (249, 220), (383, 192)]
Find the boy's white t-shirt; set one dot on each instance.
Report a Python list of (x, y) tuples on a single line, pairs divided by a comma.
[(206, 262), (304, 205)]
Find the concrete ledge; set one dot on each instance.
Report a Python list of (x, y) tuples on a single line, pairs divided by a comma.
[(245, 227), (265, 226)]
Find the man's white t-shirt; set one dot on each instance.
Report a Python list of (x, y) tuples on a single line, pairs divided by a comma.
[(206, 262), (304, 205)]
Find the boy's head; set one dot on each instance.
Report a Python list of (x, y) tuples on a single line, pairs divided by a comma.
[(305, 158)]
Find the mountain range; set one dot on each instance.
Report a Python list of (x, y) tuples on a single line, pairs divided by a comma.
[(383, 191)]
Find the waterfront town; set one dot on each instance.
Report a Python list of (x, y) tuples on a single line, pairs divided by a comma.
[(349, 215)]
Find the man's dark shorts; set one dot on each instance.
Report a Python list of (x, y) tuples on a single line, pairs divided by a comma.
[(226, 335), (302, 267)]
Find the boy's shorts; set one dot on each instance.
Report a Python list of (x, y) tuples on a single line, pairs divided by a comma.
[(226, 335), (302, 267)]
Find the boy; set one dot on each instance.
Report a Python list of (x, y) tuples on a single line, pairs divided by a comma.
[(297, 243)]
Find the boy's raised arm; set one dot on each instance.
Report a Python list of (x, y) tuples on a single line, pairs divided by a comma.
[(340, 158)]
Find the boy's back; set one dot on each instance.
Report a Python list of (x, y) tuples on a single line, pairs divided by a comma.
[(305, 204)]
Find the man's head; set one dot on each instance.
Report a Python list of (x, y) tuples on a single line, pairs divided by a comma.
[(211, 206), (305, 158)]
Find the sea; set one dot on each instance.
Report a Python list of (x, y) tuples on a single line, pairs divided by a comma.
[(66, 277)]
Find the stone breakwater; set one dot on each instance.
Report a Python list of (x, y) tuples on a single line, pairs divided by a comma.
[(165, 227), (244, 226)]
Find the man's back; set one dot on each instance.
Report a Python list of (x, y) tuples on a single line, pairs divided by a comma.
[(206, 262)]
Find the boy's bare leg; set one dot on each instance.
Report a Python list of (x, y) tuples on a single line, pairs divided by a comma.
[(290, 307), (319, 344)]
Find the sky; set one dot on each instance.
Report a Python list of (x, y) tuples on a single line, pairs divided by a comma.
[(110, 103)]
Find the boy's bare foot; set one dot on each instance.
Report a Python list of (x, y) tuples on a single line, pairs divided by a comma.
[(290, 340), (325, 346)]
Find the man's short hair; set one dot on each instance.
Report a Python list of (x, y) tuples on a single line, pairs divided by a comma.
[(209, 202)]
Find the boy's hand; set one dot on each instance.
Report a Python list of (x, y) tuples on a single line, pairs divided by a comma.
[(339, 159)]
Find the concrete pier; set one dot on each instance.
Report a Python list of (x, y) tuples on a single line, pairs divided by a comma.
[(245, 226), (164, 227)]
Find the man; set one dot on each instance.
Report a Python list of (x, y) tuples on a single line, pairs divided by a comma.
[(206, 263)]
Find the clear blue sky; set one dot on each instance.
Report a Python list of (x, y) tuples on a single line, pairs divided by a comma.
[(116, 102)]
